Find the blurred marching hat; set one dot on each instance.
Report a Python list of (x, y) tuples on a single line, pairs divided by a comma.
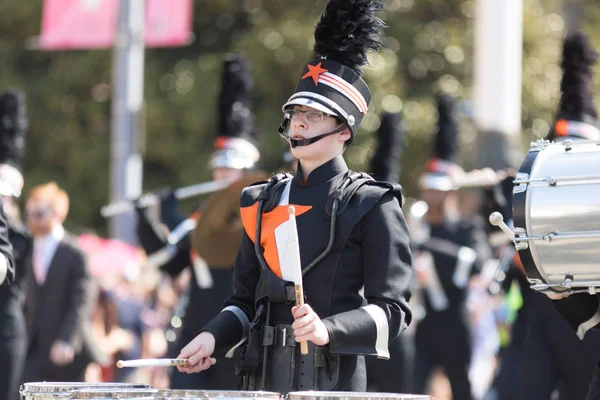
[(577, 116), (331, 82), (385, 163), (13, 128), (234, 147), (441, 168)]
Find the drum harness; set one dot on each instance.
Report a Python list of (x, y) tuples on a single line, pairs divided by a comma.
[(250, 359)]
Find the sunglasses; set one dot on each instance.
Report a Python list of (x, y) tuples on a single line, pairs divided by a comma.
[(38, 213)]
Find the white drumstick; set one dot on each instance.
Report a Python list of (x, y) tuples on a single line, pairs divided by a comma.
[(152, 362)]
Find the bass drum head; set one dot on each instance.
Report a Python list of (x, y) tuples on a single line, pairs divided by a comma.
[(520, 214)]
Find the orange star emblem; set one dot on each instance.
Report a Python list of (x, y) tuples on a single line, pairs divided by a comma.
[(270, 221), (313, 72)]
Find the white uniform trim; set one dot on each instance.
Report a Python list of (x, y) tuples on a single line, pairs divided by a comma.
[(465, 259), (3, 268), (383, 332), (589, 324), (245, 323)]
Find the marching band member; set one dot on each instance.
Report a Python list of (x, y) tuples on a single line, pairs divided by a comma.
[(234, 157), (448, 252), (14, 243), (396, 374), (567, 359), (352, 234)]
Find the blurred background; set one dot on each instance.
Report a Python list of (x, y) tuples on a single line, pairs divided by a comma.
[(430, 47)]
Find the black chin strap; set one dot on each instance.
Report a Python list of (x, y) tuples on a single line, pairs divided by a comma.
[(306, 142)]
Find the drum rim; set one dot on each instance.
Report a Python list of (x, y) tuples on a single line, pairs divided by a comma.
[(181, 393), (31, 388), (519, 216), (120, 392)]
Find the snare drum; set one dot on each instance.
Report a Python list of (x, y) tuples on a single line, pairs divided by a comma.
[(216, 394), (314, 395), (557, 215), (114, 393), (62, 390)]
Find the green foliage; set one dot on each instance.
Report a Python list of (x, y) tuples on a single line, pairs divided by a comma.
[(429, 48)]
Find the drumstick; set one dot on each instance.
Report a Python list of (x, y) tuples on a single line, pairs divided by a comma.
[(152, 362)]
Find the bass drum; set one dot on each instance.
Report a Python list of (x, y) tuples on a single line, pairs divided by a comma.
[(218, 232), (556, 215)]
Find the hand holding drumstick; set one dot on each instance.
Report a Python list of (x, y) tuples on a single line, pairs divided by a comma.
[(198, 353)]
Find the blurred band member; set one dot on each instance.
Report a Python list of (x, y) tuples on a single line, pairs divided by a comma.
[(13, 339), (449, 251)]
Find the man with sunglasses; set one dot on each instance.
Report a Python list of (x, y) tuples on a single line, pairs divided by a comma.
[(60, 294), (352, 234)]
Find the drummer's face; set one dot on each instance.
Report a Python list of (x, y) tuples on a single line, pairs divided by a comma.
[(325, 149), (222, 173)]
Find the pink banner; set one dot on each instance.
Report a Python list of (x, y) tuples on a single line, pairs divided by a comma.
[(168, 23), (78, 24), (91, 24)]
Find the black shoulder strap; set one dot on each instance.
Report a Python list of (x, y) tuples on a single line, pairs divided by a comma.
[(272, 190), (344, 192)]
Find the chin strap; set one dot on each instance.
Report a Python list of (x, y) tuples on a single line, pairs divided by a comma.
[(305, 142)]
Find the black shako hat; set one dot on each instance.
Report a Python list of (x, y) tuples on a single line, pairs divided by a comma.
[(235, 141), (385, 163), (331, 82), (442, 167), (577, 116)]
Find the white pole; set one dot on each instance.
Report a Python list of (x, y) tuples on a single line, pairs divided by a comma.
[(498, 65), (128, 94)]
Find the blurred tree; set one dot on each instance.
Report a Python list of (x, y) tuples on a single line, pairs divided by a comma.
[(429, 48)]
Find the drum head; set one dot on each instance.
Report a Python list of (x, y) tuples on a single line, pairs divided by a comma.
[(217, 394), (122, 393)]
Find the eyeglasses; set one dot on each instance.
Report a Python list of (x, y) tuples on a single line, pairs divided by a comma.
[(310, 115)]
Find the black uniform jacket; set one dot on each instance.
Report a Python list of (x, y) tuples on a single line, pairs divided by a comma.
[(6, 250), (371, 250), (581, 310)]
